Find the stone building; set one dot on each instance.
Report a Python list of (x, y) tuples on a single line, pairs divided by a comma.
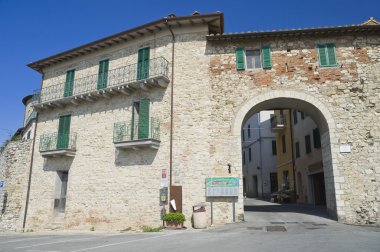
[(259, 156), (307, 157), (173, 95), (30, 115)]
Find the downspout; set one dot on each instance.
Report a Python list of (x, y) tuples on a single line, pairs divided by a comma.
[(171, 105), (293, 155), (31, 168)]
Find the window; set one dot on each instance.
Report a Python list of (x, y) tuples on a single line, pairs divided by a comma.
[(316, 138), (295, 119), (327, 55), (253, 58), (69, 83), (298, 150), (307, 144), (103, 74), (249, 131), (302, 115), (283, 144), (274, 148), (250, 154), (140, 120), (243, 157), (28, 135), (143, 56)]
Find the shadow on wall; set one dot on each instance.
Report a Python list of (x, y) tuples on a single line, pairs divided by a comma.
[(130, 157), (64, 164)]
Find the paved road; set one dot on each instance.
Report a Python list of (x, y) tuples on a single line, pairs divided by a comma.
[(268, 227)]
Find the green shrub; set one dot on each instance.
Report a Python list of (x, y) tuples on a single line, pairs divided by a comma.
[(151, 229), (174, 217)]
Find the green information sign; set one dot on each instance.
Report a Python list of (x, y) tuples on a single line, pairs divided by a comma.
[(221, 187)]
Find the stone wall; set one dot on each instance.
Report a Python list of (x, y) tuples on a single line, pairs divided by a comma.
[(14, 170), (350, 92), (112, 189)]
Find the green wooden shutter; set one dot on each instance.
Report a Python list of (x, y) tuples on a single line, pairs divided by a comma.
[(322, 56), (240, 61), (327, 55), (143, 63), (69, 84), (331, 54), (144, 119), (103, 74), (266, 57), (63, 132)]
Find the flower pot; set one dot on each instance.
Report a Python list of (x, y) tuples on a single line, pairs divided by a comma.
[(173, 225)]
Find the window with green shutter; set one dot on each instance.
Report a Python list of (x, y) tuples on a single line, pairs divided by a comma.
[(253, 58), (327, 55), (266, 57), (240, 59), (143, 56), (69, 83), (103, 74), (63, 132)]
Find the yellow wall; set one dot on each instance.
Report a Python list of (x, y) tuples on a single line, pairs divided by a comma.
[(284, 159)]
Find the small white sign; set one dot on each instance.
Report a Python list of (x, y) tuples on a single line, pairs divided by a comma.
[(345, 148)]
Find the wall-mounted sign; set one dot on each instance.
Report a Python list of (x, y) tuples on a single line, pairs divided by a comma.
[(216, 187), (163, 196), (164, 179), (345, 148)]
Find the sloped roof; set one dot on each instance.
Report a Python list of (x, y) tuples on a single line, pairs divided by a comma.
[(215, 21), (370, 26)]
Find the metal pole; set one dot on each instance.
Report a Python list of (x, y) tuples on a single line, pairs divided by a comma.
[(233, 209), (212, 212)]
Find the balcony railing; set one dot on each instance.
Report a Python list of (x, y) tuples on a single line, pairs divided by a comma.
[(278, 122), (127, 135), (120, 80), (58, 144)]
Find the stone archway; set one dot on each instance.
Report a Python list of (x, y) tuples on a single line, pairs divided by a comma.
[(321, 115)]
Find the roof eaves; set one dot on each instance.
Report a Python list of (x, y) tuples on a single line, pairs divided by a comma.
[(119, 37)]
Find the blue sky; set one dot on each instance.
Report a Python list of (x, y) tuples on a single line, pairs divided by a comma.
[(32, 30)]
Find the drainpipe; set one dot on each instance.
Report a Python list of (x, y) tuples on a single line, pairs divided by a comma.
[(293, 155), (261, 159), (171, 103), (31, 167)]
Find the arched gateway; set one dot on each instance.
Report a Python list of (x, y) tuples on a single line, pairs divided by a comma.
[(322, 117)]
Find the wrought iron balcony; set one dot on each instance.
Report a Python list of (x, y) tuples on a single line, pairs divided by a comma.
[(122, 80), (278, 122), (126, 135), (58, 144)]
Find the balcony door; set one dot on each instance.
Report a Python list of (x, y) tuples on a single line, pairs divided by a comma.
[(69, 83), (143, 63), (103, 74), (140, 120), (63, 132)]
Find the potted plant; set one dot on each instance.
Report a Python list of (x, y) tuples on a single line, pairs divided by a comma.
[(174, 220)]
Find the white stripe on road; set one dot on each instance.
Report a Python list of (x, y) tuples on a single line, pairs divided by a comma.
[(48, 243), (118, 243), (27, 239)]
